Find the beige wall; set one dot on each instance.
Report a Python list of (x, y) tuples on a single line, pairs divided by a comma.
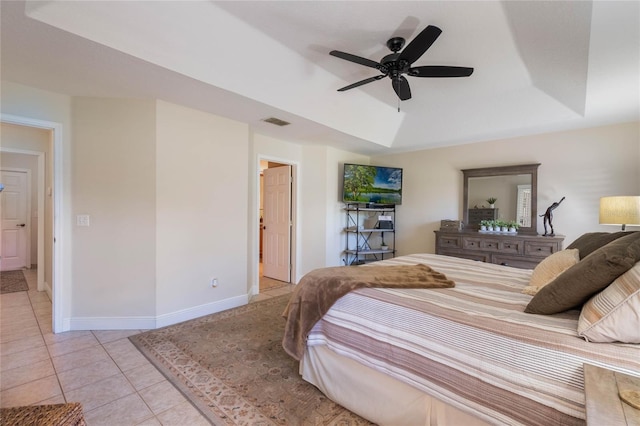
[(201, 208), (114, 176), (582, 165)]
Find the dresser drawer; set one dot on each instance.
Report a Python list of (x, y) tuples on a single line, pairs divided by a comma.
[(490, 245), (511, 247), (469, 243), (540, 248), (449, 242)]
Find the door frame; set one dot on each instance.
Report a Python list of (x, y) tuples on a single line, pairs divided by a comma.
[(58, 285), (27, 255), (294, 218)]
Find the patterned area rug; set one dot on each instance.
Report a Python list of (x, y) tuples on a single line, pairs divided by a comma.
[(12, 281), (232, 367)]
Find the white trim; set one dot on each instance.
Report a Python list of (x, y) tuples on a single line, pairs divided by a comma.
[(61, 311), (200, 311), (112, 323), (151, 322)]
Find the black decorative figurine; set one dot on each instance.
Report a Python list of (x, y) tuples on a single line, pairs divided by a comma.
[(548, 218)]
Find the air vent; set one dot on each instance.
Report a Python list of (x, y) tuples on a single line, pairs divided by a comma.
[(276, 121)]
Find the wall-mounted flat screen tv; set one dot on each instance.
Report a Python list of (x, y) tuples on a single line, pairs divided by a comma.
[(372, 184)]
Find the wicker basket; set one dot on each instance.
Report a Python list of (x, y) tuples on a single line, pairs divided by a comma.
[(43, 415), (451, 225)]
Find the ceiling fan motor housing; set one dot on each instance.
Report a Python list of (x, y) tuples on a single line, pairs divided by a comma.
[(395, 44)]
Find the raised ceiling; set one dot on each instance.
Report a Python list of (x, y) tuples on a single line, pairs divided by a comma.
[(539, 66)]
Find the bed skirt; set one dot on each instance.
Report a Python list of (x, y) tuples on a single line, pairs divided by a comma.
[(349, 383)]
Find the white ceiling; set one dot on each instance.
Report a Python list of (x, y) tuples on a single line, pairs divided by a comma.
[(539, 66)]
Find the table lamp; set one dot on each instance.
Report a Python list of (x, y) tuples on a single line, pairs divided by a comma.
[(623, 211)]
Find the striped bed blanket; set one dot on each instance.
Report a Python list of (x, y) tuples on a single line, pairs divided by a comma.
[(473, 346), (318, 290)]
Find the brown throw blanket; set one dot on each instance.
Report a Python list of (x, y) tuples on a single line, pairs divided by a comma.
[(318, 290)]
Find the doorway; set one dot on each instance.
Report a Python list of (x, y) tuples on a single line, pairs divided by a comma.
[(276, 226), (44, 218)]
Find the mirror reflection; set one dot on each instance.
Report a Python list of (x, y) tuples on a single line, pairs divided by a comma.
[(512, 194), (514, 189)]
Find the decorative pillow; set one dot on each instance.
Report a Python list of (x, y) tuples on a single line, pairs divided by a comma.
[(591, 241), (550, 268), (613, 315), (576, 285)]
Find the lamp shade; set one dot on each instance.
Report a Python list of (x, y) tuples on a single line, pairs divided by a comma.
[(620, 210)]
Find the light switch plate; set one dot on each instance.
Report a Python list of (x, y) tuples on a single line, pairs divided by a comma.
[(82, 220)]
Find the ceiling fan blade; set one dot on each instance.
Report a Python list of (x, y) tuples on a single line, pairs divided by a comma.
[(361, 82), (401, 86), (357, 59), (420, 44), (440, 71)]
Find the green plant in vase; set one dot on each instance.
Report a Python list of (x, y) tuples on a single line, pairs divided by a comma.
[(500, 225), (492, 202)]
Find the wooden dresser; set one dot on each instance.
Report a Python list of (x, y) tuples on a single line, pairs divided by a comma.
[(516, 250)]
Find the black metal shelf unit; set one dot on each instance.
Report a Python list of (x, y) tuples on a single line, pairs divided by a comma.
[(368, 228)]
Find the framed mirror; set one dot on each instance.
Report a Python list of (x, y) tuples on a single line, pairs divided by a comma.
[(515, 189)]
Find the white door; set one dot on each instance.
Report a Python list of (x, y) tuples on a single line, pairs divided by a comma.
[(276, 254), (13, 231)]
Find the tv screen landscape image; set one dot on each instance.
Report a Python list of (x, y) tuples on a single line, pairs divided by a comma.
[(372, 184)]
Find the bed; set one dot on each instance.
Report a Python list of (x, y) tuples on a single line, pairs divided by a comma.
[(463, 355)]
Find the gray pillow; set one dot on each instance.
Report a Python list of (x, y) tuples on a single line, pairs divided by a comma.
[(592, 241), (572, 288)]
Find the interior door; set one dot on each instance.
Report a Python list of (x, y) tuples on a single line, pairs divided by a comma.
[(13, 212), (276, 257)]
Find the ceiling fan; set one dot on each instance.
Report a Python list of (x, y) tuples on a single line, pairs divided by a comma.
[(398, 63)]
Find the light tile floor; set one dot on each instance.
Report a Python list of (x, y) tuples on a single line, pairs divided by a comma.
[(101, 369)]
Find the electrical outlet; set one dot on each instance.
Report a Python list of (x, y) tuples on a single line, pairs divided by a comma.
[(214, 282)]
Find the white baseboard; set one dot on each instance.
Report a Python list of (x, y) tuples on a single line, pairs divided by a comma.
[(112, 323), (150, 322), (199, 311)]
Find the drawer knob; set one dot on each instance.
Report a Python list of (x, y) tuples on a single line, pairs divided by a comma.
[(539, 249)]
